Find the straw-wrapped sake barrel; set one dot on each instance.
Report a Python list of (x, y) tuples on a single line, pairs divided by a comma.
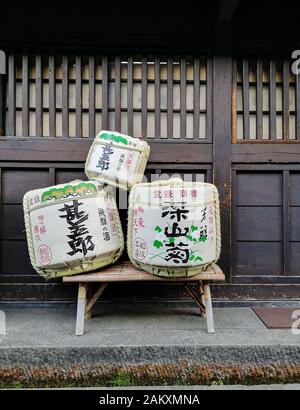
[(174, 227), (117, 159), (72, 228)]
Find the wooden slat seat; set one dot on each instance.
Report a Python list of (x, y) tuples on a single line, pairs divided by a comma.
[(126, 272)]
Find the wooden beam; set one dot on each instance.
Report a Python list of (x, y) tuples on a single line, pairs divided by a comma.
[(222, 72), (266, 152), (71, 150), (95, 297)]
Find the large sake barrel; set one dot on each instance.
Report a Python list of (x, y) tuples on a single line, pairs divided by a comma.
[(174, 227), (72, 228), (117, 159)]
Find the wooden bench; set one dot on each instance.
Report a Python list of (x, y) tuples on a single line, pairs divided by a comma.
[(126, 272)]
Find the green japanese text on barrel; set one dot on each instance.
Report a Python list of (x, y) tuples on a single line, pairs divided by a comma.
[(174, 227), (117, 159), (72, 228)]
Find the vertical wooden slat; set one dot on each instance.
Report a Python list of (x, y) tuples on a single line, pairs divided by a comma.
[(78, 86), (170, 99), (11, 115), (25, 96), (208, 176), (233, 221), (118, 94), (209, 93), (259, 101), (65, 97), (286, 100), (51, 176), (157, 96), (234, 102), (144, 97), (38, 96), (196, 98), (286, 223), (182, 98), (91, 96), (272, 127), (298, 106), (104, 93), (1, 223), (246, 117), (130, 95), (2, 104), (52, 97)]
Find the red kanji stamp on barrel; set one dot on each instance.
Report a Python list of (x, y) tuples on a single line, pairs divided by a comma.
[(44, 255)]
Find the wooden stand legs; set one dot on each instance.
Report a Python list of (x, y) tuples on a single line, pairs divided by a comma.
[(85, 302), (81, 304), (203, 299), (209, 310)]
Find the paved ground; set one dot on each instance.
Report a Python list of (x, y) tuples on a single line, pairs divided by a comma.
[(138, 324), (150, 342)]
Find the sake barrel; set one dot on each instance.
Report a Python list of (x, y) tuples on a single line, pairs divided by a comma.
[(117, 159), (72, 228), (174, 227)]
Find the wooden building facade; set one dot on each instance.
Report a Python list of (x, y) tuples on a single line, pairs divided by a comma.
[(211, 109)]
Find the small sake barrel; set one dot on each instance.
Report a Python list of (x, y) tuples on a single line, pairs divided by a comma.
[(72, 228), (174, 227), (117, 159)]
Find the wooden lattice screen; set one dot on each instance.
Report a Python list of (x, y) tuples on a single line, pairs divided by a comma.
[(266, 101), (76, 96)]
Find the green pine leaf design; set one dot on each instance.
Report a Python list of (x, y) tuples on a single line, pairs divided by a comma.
[(157, 244), (202, 238), (171, 239), (158, 229), (194, 228), (191, 257), (189, 237), (198, 258)]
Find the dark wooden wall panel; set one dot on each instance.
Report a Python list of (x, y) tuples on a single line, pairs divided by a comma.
[(295, 259), (15, 183), (15, 258), (259, 223), (295, 188), (295, 224), (259, 258), (266, 228), (261, 188), (12, 222), (62, 175)]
